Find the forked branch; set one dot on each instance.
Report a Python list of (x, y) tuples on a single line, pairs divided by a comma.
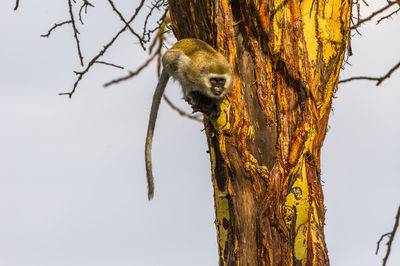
[(374, 14), (101, 53), (391, 238), (76, 32)]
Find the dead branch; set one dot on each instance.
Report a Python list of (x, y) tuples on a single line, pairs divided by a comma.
[(370, 17), (131, 74), (378, 79), (154, 6), (54, 27), (158, 39), (129, 27), (109, 64), (16, 5), (101, 53), (388, 16), (391, 238), (196, 117), (84, 6), (379, 242), (76, 32)]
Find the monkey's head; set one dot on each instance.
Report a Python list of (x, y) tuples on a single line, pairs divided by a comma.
[(208, 83), (215, 79)]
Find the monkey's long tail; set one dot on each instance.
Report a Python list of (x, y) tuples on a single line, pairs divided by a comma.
[(150, 130)]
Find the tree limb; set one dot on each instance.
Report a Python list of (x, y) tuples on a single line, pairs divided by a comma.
[(101, 53), (84, 6), (131, 74), (379, 11), (129, 27), (109, 64), (16, 5), (378, 79), (391, 238), (54, 27), (76, 32), (180, 111), (388, 16)]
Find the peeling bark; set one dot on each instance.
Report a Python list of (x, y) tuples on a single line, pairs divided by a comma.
[(265, 146)]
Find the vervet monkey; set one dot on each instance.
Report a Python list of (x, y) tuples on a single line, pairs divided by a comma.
[(205, 76)]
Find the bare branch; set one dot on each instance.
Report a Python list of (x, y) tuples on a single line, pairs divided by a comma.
[(158, 39), (370, 17), (379, 242), (155, 6), (84, 6), (71, 13), (129, 27), (196, 117), (391, 238), (16, 5), (388, 16), (54, 27), (378, 79), (101, 53), (109, 64), (131, 73)]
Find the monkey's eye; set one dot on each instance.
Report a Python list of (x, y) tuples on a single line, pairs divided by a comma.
[(218, 81)]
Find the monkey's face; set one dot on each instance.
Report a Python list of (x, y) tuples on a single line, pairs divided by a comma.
[(208, 87), (216, 80)]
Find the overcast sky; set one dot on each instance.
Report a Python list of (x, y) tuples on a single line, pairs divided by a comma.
[(72, 175)]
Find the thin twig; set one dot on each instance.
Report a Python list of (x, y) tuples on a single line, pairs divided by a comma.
[(379, 242), (155, 6), (16, 5), (181, 112), (76, 32), (392, 234), (361, 21), (109, 64), (378, 79), (158, 39), (101, 53), (131, 73), (84, 6), (127, 24), (54, 27), (387, 16)]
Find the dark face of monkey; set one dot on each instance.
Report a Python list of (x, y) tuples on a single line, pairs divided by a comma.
[(217, 85)]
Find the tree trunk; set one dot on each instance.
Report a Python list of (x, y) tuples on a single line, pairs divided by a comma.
[(265, 146)]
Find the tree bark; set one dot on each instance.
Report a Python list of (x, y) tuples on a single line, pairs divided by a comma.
[(265, 146)]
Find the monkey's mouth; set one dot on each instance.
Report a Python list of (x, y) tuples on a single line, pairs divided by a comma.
[(217, 90)]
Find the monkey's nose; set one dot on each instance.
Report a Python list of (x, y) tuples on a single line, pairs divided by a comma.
[(217, 90)]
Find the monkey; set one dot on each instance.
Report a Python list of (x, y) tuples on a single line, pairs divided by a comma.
[(205, 77)]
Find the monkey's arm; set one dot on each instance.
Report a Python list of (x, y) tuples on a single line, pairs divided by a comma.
[(150, 130)]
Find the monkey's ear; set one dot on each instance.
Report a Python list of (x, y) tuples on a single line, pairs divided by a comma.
[(175, 60)]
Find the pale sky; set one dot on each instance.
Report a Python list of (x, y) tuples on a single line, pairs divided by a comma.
[(72, 177)]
